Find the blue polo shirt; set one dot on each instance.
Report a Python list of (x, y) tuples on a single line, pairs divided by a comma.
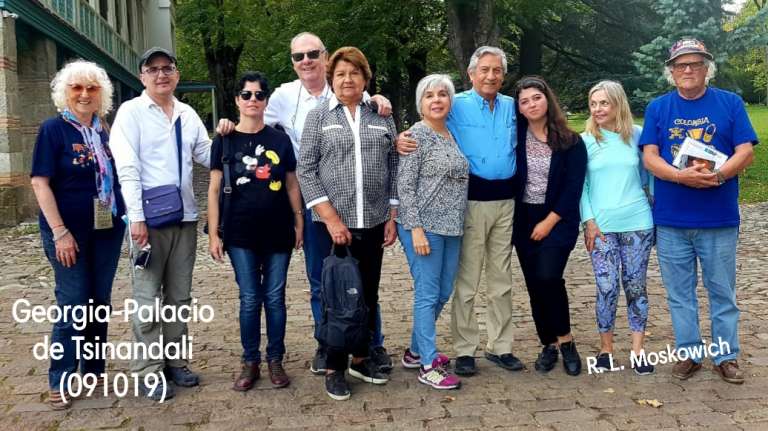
[(487, 138)]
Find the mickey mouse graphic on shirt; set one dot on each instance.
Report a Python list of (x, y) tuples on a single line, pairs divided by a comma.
[(260, 172)]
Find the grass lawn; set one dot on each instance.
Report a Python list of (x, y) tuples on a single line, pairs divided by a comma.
[(753, 182)]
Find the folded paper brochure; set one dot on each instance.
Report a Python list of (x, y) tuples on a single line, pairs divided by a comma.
[(693, 151)]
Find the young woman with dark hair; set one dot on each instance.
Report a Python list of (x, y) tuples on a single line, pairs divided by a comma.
[(551, 164)]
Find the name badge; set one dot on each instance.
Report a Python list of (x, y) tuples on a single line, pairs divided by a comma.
[(102, 215)]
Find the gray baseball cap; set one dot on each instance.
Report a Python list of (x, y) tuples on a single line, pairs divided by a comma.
[(687, 46), (154, 51)]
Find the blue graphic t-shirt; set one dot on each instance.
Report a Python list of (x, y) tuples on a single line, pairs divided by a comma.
[(61, 155), (719, 119)]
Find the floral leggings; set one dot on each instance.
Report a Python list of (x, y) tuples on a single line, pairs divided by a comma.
[(622, 255)]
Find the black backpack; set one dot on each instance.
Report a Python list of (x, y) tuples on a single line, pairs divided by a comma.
[(344, 322)]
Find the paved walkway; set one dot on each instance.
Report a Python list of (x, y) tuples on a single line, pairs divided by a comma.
[(492, 399)]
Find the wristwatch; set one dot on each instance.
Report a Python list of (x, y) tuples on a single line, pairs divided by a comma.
[(720, 177)]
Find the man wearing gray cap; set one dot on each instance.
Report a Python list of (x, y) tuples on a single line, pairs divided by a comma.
[(696, 209), (154, 139)]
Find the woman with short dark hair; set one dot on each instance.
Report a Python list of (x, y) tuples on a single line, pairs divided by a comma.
[(551, 164), (348, 171), (263, 223)]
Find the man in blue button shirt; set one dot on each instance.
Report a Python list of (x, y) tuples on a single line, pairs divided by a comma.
[(483, 123)]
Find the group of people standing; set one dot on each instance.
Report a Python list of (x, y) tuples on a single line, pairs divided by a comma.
[(318, 163)]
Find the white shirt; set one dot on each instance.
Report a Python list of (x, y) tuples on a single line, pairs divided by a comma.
[(289, 105), (143, 143)]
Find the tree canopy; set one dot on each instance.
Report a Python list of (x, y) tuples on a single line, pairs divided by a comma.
[(572, 43)]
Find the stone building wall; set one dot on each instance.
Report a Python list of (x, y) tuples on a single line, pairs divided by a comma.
[(27, 65)]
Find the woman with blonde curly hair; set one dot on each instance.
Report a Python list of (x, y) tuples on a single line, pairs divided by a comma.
[(73, 177)]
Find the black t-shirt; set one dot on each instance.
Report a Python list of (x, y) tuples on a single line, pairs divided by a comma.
[(260, 214), (61, 155)]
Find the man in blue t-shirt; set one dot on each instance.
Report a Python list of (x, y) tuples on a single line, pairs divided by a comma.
[(696, 209)]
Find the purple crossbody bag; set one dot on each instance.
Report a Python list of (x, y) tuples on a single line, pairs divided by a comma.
[(162, 204)]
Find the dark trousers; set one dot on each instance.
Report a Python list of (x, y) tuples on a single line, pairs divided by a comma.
[(366, 248), (543, 266), (89, 278)]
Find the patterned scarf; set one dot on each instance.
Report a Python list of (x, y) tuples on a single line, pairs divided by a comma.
[(104, 175)]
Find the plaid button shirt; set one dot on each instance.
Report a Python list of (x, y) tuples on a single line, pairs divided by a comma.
[(354, 170)]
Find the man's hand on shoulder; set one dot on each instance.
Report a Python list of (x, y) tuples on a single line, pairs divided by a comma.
[(225, 127), (405, 143)]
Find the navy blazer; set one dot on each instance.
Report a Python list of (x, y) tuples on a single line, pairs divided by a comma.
[(565, 183)]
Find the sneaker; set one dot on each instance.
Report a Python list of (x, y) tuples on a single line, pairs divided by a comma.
[(248, 376), (368, 371), (683, 370), (318, 366), (730, 372), (508, 361), (603, 362), (438, 378), (643, 368), (465, 366), (380, 357), (157, 393), (413, 361), (182, 376), (547, 359), (277, 374), (571, 358), (336, 386)]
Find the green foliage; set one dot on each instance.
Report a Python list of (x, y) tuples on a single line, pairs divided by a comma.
[(754, 182)]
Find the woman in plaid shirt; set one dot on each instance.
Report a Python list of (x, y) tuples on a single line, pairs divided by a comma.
[(347, 172)]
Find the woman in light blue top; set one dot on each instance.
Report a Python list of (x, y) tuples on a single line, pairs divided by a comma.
[(618, 225)]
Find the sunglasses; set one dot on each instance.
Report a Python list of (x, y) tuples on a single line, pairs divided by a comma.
[(260, 95), (312, 55), (89, 89)]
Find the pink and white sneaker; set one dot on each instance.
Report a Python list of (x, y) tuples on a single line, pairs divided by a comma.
[(412, 361), (438, 378)]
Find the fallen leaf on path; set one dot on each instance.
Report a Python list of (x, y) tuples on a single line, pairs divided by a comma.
[(652, 403), (448, 399)]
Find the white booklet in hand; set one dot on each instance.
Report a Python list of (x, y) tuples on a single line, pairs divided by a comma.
[(693, 151)]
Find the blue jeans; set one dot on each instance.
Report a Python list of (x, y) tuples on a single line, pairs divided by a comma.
[(715, 248), (433, 277), (261, 279), (317, 246), (89, 278)]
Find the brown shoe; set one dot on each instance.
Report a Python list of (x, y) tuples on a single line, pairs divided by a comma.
[(277, 375), (248, 376), (683, 370), (730, 372)]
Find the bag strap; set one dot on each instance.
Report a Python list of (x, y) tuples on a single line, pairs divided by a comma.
[(226, 159), (178, 146), (346, 248)]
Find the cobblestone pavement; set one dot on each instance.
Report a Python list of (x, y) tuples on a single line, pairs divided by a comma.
[(494, 398)]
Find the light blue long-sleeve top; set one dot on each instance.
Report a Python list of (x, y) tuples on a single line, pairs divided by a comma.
[(613, 189), (487, 138)]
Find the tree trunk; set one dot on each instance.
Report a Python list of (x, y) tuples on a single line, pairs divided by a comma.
[(222, 70), (471, 24), (531, 50), (416, 66)]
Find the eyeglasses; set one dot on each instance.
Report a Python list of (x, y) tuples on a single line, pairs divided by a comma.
[(154, 71), (260, 95), (695, 66), (89, 89), (312, 55)]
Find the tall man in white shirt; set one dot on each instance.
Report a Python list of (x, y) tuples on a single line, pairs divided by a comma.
[(143, 142), (288, 108)]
